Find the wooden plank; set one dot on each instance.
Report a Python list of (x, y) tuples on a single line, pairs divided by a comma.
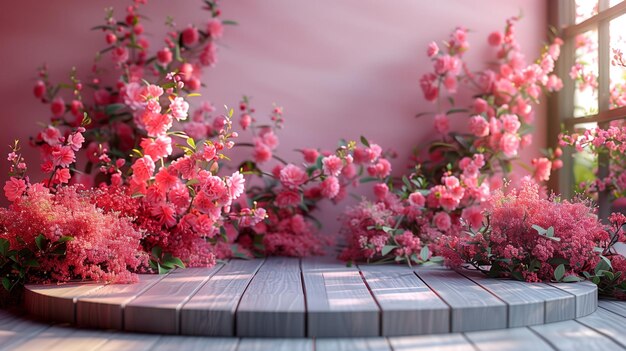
[(81, 340), (528, 303), (352, 344), (156, 310), (130, 342), (408, 306), (585, 293), (194, 343), (211, 311), (56, 303), (607, 323), (472, 307), (515, 339), (339, 304), (275, 345), (15, 329), (614, 306), (104, 308), (571, 335), (444, 342), (273, 303)]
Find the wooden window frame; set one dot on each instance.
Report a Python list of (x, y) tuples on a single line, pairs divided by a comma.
[(562, 15)]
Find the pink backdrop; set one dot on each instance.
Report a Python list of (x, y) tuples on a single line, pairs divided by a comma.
[(339, 68)]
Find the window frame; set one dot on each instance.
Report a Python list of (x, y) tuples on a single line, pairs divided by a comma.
[(562, 15)]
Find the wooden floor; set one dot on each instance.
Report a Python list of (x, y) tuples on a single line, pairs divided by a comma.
[(603, 330), (317, 297)]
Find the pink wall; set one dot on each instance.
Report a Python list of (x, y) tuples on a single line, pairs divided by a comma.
[(340, 68)]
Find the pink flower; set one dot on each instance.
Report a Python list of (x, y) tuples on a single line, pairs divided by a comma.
[(288, 198), (509, 144), (157, 148), (381, 169), (543, 166), (445, 64), (495, 39), (57, 107), (332, 165), (442, 221), (156, 123), (215, 28), (119, 54), (442, 123), (14, 188), (164, 57), (450, 83), (75, 141), (261, 153), (380, 191), (179, 108), (63, 156), (510, 123), (143, 168), (480, 105), (527, 139), (330, 187), (473, 216), (479, 126), (62, 176), (208, 56), (40, 89), (292, 176), (270, 139), (310, 155), (417, 199), (235, 185), (245, 121), (51, 136), (433, 49), (190, 36), (429, 87), (164, 214), (164, 180)]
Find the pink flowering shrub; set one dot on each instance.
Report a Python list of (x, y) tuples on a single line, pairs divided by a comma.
[(457, 173), (52, 232), (529, 237), (290, 193)]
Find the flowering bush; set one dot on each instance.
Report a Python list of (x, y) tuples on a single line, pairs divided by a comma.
[(290, 193), (529, 237), (54, 233), (460, 170)]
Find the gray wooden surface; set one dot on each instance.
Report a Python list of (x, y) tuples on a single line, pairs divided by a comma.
[(603, 330), (273, 304), (314, 297), (408, 306), (473, 308), (338, 301), (157, 309), (211, 311)]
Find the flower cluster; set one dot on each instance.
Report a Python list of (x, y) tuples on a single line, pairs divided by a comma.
[(598, 141), (459, 172), (290, 193), (528, 236)]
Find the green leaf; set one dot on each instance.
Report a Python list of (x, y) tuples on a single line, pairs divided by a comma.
[(191, 143), (364, 141), (162, 270), (65, 239), (571, 279), (113, 108), (559, 272), (157, 251), (229, 22), (6, 283), (4, 246), (436, 259), (603, 265), (424, 253), (550, 232), (40, 241), (456, 110), (517, 275), (31, 263), (387, 249)]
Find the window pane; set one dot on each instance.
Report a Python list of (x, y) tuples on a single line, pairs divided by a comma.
[(585, 164), (617, 31), (585, 74), (585, 9)]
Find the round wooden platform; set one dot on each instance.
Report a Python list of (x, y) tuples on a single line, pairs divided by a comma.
[(312, 297)]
